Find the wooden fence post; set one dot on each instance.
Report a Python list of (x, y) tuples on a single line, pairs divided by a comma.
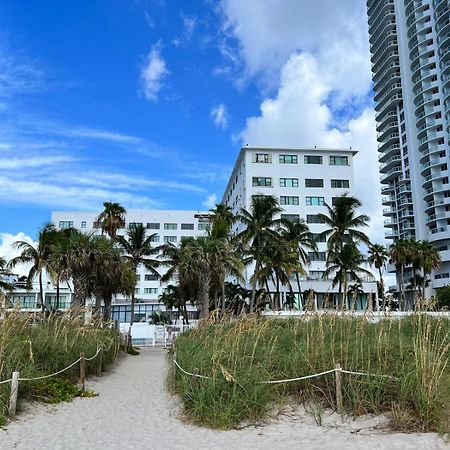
[(14, 393), (99, 367), (339, 404), (82, 371)]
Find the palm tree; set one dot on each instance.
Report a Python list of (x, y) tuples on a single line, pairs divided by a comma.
[(355, 290), (38, 255), (429, 259), (345, 263), (260, 224), (112, 218), (344, 223), (138, 249), (297, 233), (399, 254), (222, 219), (4, 272), (378, 257)]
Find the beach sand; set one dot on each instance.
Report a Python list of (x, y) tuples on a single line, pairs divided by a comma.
[(134, 411)]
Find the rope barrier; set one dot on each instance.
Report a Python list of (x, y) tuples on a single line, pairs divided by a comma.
[(56, 373), (288, 380)]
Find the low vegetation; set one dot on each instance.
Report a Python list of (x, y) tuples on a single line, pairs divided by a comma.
[(239, 356), (43, 346)]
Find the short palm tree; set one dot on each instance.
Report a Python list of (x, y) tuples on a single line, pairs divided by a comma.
[(4, 272), (378, 257), (429, 259), (112, 218), (400, 256), (346, 264), (138, 250), (37, 255), (259, 224)]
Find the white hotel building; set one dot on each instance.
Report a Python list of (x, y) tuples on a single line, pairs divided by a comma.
[(302, 180), (410, 53)]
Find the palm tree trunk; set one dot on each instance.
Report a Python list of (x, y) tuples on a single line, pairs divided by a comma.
[(133, 300), (107, 308), (383, 300), (268, 291), (41, 291), (299, 290), (223, 296), (205, 279), (277, 278), (402, 293), (414, 286), (252, 299), (344, 294), (57, 294), (340, 296)]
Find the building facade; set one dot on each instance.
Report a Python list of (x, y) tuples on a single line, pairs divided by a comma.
[(302, 180), (410, 54)]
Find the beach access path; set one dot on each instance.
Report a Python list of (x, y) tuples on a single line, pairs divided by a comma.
[(134, 411)]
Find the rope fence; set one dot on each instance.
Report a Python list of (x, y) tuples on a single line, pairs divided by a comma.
[(15, 379), (338, 371)]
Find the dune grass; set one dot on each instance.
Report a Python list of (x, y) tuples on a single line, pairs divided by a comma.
[(37, 347), (240, 355)]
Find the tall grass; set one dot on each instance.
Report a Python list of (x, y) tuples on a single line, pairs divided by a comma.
[(44, 346), (240, 355)]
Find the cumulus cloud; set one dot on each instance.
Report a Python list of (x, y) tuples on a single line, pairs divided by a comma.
[(8, 251), (219, 116), (210, 201), (317, 55), (153, 73)]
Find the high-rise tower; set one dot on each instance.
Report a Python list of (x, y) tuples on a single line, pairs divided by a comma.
[(410, 53)]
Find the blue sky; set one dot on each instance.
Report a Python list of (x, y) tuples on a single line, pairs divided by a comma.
[(147, 102)]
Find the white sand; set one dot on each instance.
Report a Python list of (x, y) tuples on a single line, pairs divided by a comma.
[(133, 411)]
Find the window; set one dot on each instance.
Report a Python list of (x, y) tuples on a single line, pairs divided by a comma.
[(315, 274), (150, 290), (315, 201), (314, 182), (318, 237), (289, 200), (314, 218), (154, 238), (153, 226), (138, 277), (262, 181), (83, 224), (288, 159), (310, 159), (170, 239), (137, 290), (64, 224), (203, 226), (262, 158), (339, 160), (288, 182), (187, 226), (291, 217), (151, 277), (133, 225), (170, 226), (317, 256), (340, 184)]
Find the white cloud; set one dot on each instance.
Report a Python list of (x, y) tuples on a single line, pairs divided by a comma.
[(153, 73), (38, 161), (219, 115), (8, 251), (316, 57), (210, 201)]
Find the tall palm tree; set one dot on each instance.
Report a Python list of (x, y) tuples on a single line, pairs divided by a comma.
[(429, 259), (260, 223), (112, 218), (37, 255), (346, 264), (297, 233), (378, 257), (400, 256), (222, 219), (344, 223), (138, 249)]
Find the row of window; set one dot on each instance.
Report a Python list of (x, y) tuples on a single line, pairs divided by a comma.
[(64, 224), (266, 158), (148, 277), (293, 182), (147, 290)]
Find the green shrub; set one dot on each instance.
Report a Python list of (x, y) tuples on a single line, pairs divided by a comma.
[(239, 356)]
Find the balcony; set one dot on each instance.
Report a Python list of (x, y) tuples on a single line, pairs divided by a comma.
[(391, 174)]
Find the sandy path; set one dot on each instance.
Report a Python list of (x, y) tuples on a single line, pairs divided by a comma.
[(133, 411)]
